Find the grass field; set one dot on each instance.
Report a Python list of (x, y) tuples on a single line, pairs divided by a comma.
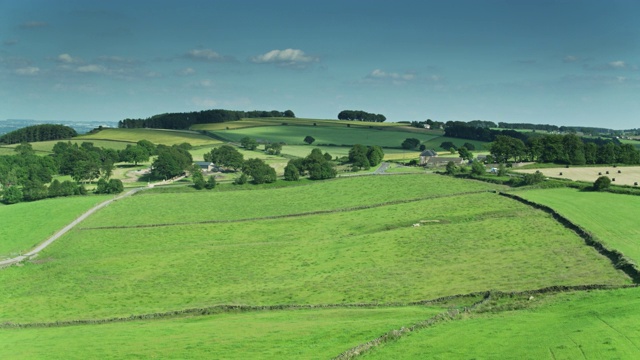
[(324, 135), (255, 122), (281, 334), (586, 325), (628, 175), (156, 136), (370, 255), (613, 218), (25, 225)]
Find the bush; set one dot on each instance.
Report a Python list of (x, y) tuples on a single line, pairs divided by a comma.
[(12, 195), (291, 172), (241, 180), (211, 183), (602, 183)]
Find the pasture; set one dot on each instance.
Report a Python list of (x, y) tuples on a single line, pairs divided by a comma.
[(25, 225), (323, 135), (277, 334), (256, 122), (587, 325), (341, 256), (627, 175), (612, 218), (156, 136)]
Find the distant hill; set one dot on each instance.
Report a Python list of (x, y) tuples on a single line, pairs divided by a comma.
[(81, 127)]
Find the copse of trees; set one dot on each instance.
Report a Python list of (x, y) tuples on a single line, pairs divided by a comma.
[(359, 115), (364, 157), (225, 156), (44, 132), (316, 165), (410, 143), (172, 161), (185, 120), (259, 171)]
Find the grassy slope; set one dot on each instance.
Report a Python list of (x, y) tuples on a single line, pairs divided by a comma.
[(156, 136), (285, 334), (25, 225), (149, 208), (372, 255), (435, 143), (254, 122), (613, 218), (590, 325), (294, 135)]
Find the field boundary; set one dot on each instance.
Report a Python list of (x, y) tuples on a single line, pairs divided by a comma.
[(302, 214), (617, 258), (220, 309)]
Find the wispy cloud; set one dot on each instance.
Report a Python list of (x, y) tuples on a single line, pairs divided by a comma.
[(33, 24), (612, 65), (28, 71), (380, 74), (207, 55), (92, 68), (186, 71), (66, 59), (286, 57), (618, 64), (570, 59)]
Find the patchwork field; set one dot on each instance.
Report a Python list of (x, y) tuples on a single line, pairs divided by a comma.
[(627, 175), (156, 136), (255, 122), (587, 325), (612, 218)]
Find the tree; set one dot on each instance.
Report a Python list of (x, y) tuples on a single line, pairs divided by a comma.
[(134, 154), (171, 162), (358, 157), (211, 183), (34, 190), (289, 114), (410, 143), (259, 171), (291, 172), (465, 154), (309, 139), (12, 195), (451, 168), (148, 145), (375, 154), (241, 180), (477, 168), (273, 148), (469, 146), (226, 156), (601, 183), (115, 186), (249, 143), (502, 170), (197, 178), (448, 145), (532, 179)]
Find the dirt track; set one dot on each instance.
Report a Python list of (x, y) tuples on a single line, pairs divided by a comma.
[(622, 175)]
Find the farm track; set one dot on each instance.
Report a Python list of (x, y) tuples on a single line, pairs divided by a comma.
[(33, 253), (309, 213)]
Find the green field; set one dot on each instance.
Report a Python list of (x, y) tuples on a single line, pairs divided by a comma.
[(25, 225), (281, 334), (156, 136), (255, 122), (294, 135), (586, 325), (612, 218), (371, 255)]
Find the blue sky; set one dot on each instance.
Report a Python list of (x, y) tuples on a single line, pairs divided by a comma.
[(570, 62)]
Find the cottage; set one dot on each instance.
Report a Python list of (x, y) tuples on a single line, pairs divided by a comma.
[(425, 155), (205, 166)]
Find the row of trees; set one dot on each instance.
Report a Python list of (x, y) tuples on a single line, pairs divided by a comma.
[(563, 149), (186, 120), (44, 132), (360, 115)]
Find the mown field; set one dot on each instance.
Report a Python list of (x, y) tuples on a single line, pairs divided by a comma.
[(612, 218), (627, 175), (581, 325), (156, 136), (371, 255), (280, 334), (25, 225)]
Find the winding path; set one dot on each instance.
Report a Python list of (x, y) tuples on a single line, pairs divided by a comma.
[(56, 236)]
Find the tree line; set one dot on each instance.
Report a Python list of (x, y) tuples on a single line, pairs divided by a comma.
[(43, 132), (359, 115), (180, 121)]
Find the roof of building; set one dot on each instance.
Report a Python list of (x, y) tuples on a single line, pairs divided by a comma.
[(428, 153)]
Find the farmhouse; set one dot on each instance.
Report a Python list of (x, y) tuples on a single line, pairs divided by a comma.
[(205, 166), (425, 155), (442, 161)]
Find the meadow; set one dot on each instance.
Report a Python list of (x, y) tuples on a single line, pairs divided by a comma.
[(294, 135), (581, 325), (372, 255), (156, 136), (627, 175), (25, 225), (255, 122), (612, 218), (279, 334)]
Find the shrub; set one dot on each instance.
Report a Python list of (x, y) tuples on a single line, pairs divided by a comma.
[(601, 183)]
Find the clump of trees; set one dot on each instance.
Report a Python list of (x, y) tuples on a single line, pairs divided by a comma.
[(364, 157), (309, 139), (249, 143), (171, 161), (273, 148), (410, 143), (359, 115), (225, 156), (317, 165), (602, 183), (44, 132)]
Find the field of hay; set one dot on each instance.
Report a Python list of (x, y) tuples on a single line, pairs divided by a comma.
[(627, 175)]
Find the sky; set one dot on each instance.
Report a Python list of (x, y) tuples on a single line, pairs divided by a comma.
[(561, 62)]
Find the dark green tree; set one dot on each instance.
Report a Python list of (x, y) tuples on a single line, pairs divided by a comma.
[(211, 183), (309, 139), (291, 172), (226, 156), (259, 171), (12, 195), (465, 154), (451, 168), (375, 154), (249, 143), (477, 168), (601, 183), (358, 157), (410, 143)]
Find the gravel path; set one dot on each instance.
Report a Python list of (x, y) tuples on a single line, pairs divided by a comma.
[(383, 167), (75, 222)]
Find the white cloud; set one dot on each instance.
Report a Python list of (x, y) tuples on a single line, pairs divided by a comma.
[(92, 68), (286, 57), (66, 58), (617, 64), (379, 74), (187, 71), (29, 71), (33, 24), (570, 59), (205, 54)]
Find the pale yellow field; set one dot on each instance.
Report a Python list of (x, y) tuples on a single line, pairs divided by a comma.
[(156, 136), (627, 176)]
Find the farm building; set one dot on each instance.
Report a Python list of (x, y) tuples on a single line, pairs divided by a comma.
[(442, 161), (425, 155), (206, 166)]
